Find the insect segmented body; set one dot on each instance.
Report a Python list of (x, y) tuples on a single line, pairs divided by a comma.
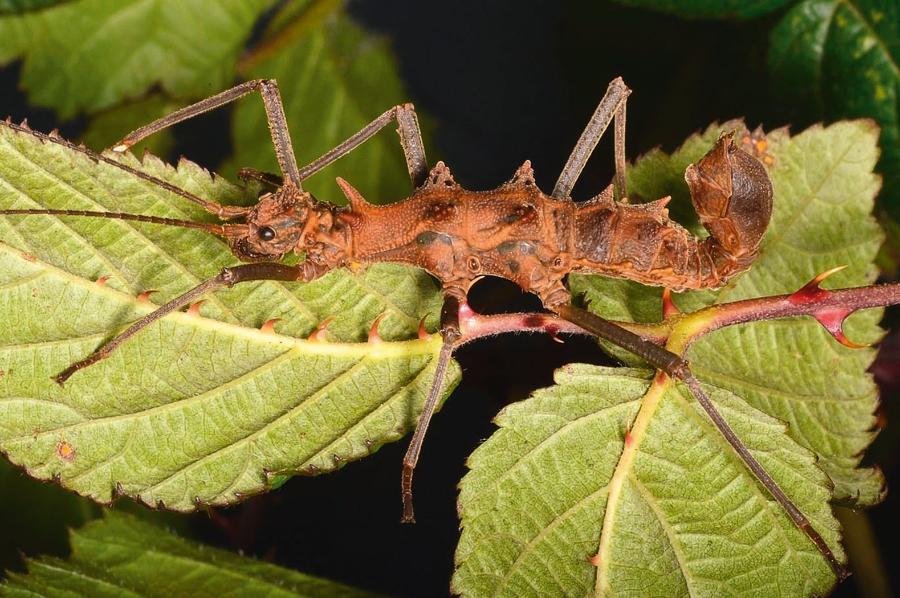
[(519, 233)]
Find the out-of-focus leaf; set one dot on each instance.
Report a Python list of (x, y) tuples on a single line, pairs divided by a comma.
[(334, 79), (715, 9), (20, 6), (34, 516), (824, 194), (833, 59), (86, 55), (198, 409), (124, 556)]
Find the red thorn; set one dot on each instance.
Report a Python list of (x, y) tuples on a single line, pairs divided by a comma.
[(668, 306), (423, 332), (28, 257), (839, 337), (194, 309), (101, 282), (374, 337), (319, 335), (812, 291), (269, 326), (594, 560), (833, 320), (629, 439), (145, 296), (660, 377)]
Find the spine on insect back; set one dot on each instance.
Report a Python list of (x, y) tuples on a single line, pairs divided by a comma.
[(731, 193), (513, 232)]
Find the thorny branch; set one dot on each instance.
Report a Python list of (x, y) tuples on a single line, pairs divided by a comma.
[(677, 331)]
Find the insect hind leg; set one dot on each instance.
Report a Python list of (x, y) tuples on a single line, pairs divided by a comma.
[(677, 368)]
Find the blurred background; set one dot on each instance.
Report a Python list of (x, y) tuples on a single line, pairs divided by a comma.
[(494, 83)]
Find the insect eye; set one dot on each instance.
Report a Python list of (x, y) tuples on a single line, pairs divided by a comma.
[(266, 233)]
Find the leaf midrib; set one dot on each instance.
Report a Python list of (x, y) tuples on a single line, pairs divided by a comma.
[(384, 349)]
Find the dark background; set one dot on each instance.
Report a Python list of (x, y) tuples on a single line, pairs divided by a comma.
[(502, 81)]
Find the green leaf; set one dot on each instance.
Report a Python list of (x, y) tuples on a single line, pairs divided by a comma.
[(824, 194), (672, 513), (832, 59), (334, 79), (124, 556), (714, 9), (86, 55), (196, 409)]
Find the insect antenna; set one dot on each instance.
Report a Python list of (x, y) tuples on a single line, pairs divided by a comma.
[(224, 212), (217, 229)]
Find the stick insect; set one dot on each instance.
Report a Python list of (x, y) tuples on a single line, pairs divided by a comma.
[(514, 232)]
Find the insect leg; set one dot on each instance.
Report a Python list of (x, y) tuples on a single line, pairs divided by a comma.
[(449, 333), (677, 368), (620, 191), (278, 127), (410, 141), (228, 277), (612, 105), (266, 178)]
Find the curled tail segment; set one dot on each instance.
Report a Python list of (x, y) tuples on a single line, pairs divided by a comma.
[(731, 193)]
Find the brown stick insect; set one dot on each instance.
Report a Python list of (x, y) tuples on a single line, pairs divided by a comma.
[(515, 232)]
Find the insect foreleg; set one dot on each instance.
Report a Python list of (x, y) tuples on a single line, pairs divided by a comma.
[(278, 127), (677, 368), (450, 334), (611, 106), (228, 277), (410, 141)]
